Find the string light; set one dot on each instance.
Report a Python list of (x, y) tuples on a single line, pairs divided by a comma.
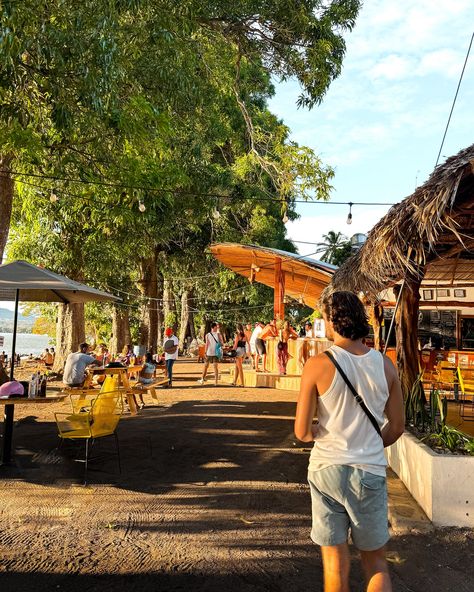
[(53, 198), (141, 206), (349, 217), (285, 219)]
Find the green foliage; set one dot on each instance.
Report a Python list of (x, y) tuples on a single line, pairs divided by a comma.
[(433, 421), (336, 248), (164, 104)]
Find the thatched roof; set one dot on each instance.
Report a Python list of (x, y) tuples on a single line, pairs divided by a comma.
[(431, 231)]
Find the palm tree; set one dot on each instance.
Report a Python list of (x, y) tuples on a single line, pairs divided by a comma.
[(332, 245)]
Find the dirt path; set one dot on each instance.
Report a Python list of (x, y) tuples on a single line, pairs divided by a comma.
[(212, 496)]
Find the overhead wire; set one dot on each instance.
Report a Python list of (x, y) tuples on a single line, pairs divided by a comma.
[(178, 191), (454, 100)]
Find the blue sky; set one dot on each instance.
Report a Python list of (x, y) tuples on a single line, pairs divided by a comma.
[(382, 121)]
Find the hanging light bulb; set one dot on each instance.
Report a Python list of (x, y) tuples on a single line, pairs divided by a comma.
[(285, 218), (349, 217), (53, 198), (141, 206)]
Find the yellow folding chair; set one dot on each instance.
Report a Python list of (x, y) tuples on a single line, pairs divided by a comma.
[(99, 421)]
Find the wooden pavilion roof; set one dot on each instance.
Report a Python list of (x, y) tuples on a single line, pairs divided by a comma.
[(430, 231), (305, 278)]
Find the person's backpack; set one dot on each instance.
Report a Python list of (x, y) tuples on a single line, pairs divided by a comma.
[(170, 347), (218, 349)]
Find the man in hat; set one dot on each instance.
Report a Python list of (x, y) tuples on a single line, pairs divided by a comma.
[(170, 346)]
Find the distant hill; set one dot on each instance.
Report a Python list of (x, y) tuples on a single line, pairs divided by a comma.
[(6, 317)]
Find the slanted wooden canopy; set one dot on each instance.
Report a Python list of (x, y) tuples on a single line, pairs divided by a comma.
[(289, 274), (429, 235)]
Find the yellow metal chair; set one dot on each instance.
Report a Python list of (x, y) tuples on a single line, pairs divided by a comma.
[(99, 421), (466, 385), (446, 377)]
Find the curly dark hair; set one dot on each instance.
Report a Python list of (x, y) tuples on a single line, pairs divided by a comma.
[(347, 314)]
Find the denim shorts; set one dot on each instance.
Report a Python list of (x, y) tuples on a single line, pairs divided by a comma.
[(343, 498)]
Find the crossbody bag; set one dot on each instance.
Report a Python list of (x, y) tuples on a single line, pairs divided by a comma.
[(357, 397), (218, 349)]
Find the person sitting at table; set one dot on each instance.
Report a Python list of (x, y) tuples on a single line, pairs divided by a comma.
[(146, 375), (103, 355), (47, 358), (76, 363), (126, 354)]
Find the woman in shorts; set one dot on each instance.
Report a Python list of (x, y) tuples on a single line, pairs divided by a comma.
[(240, 347)]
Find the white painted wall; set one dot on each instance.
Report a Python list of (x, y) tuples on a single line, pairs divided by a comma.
[(443, 484)]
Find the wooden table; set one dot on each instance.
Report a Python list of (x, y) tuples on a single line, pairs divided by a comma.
[(8, 419), (123, 383)]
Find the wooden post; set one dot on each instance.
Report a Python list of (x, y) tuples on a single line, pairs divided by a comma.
[(407, 332), (376, 319), (279, 291)]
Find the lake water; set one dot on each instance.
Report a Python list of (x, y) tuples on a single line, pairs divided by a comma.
[(26, 343)]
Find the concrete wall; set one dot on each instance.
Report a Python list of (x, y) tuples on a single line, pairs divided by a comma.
[(443, 484)]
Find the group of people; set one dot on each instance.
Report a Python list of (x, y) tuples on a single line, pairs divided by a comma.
[(75, 369), (249, 342)]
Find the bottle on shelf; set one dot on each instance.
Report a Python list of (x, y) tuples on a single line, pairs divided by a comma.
[(32, 387)]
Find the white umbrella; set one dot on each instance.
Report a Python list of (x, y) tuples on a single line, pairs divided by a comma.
[(23, 281)]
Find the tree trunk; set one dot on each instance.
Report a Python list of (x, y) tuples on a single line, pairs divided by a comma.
[(120, 330), (187, 321), (406, 322), (6, 200), (376, 318), (169, 305), (70, 332), (148, 286)]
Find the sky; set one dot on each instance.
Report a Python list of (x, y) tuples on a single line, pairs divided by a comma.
[(382, 121)]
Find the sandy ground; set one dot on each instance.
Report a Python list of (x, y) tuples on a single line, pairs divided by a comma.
[(212, 496)]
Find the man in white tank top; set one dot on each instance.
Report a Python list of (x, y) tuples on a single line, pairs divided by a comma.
[(346, 472)]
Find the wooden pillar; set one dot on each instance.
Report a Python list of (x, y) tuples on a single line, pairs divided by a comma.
[(279, 291), (376, 319), (406, 323)]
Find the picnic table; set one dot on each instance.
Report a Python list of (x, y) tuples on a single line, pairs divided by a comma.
[(123, 384)]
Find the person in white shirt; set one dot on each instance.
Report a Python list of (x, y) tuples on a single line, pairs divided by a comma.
[(170, 346), (256, 352), (356, 396), (75, 369), (212, 339)]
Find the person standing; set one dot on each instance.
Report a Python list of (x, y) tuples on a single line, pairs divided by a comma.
[(270, 330), (346, 470), (253, 343), (240, 347), (283, 356), (248, 334), (75, 368), (213, 342), (170, 347)]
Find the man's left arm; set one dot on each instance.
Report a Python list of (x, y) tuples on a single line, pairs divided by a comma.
[(306, 406)]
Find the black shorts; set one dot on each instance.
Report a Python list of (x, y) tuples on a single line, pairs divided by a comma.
[(260, 346)]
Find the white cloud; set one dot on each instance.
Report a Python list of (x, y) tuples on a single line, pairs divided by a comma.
[(447, 62), (392, 67)]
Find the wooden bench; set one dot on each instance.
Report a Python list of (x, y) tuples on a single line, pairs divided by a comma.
[(140, 388)]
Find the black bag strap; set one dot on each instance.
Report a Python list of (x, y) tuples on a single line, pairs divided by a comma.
[(357, 397)]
